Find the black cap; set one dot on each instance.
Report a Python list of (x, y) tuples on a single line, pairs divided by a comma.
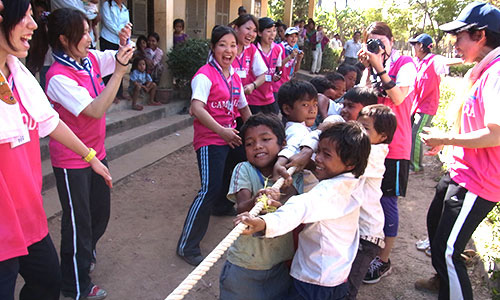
[(478, 15), (266, 23)]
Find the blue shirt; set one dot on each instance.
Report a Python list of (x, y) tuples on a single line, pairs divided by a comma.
[(141, 77), (113, 20)]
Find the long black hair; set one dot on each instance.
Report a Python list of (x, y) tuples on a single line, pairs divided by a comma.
[(68, 23), (13, 12)]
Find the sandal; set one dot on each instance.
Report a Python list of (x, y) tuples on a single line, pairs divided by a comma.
[(137, 107)]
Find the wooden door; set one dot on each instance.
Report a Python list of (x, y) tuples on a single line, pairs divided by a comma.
[(222, 12), (196, 20), (139, 16)]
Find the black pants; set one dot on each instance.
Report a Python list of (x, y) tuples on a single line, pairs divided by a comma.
[(367, 251), (39, 269), (107, 45), (85, 202), (453, 216)]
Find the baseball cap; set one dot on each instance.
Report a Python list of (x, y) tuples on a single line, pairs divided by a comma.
[(291, 30), (266, 23), (478, 14), (424, 39)]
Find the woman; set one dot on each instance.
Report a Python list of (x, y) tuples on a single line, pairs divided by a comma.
[(393, 75), (217, 98), (114, 16), (470, 190), (76, 89), (26, 115)]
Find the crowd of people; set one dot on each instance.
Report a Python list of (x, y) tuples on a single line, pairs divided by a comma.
[(354, 135)]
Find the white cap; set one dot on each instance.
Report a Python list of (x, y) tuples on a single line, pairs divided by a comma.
[(291, 30)]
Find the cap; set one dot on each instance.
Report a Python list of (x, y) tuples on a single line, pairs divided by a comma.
[(478, 14), (424, 39), (266, 23), (291, 30)]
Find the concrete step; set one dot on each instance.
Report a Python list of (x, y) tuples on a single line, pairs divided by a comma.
[(130, 163), (127, 141), (118, 121)]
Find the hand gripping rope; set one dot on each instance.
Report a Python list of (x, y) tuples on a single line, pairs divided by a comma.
[(190, 281)]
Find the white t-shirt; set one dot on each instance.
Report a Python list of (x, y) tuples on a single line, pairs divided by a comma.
[(352, 48)]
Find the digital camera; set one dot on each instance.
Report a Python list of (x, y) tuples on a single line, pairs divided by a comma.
[(374, 45)]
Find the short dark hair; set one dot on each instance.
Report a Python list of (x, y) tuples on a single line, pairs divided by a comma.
[(384, 120), (179, 21), (293, 91), (155, 35), (68, 23), (334, 76), (135, 62), (362, 94), (492, 38), (344, 69), (352, 144), (219, 31), (142, 38), (270, 120), (321, 83), (13, 13)]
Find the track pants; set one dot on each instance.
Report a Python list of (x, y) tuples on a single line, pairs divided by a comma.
[(39, 269), (85, 202), (417, 148), (453, 216), (211, 165)]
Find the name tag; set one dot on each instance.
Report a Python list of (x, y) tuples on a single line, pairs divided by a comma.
[(25, 138), (242, 73), (269, 78)]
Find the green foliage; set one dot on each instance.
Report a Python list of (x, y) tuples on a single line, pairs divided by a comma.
[(330, 59), (276, 9), (459, 70), (185, 59), (447, 88)]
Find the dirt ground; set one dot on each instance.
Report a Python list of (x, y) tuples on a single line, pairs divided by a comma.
[(136, 257)]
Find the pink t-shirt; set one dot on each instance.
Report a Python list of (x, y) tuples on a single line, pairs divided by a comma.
[(22, 218), (91, 131), (400, 147), (222, 106), (427, 86), (263, 95), (478, 170), (249, 63), (286, 69)]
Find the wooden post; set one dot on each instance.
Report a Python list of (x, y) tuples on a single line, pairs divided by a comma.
[(312, 4), (288, 13)]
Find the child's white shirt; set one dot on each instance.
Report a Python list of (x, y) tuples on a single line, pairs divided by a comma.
[(329, 242), (295, 133)]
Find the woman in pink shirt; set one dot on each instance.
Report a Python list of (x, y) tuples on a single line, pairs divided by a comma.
[(77, 91), (25, 115)]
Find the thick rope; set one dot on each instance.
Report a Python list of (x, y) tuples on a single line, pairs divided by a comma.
[(193, 277)]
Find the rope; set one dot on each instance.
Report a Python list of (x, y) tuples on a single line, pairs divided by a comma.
[(189, 282)]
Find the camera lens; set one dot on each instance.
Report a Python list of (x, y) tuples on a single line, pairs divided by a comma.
[(374, 45)]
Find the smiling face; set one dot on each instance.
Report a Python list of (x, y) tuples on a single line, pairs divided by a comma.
[(466, 48), (328, 162), (19, 37), (350, 80), (388, 43), (268, 35), (351, 110), (81, 50), (375, 137), (152, 43), (246, 33), (261, 147), (339, 87), (143, 44), (303, 110), (291, 39), (225, 50)]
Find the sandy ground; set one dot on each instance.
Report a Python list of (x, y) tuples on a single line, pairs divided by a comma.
[(136, 257)]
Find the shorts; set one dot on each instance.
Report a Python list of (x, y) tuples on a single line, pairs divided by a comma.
[(395, 177)]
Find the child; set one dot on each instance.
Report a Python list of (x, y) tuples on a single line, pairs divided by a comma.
[(339, 83), (326, 92), (262, 98), (380, 124), (329, 241), (350, 74), (217, 98), (155, 54), (140, 80), (255, 267), (355, 99), (179, 35)]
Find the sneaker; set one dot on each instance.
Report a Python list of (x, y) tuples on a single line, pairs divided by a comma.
[(422, 245), (193, 260), (92, 266), (377, 270), (428, 285), (96, 293)]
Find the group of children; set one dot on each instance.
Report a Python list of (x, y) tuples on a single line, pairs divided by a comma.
[(339, 202)]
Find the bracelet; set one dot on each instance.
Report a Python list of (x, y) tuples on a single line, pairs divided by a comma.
[(254, 85), (381, 73), (90, 156), (116, 57), (389, 85)]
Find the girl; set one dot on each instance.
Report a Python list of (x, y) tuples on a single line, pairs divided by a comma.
[(217, 97), (262, 99), (384, 66), (179, 35), (155, 55), (75, 87), (26, 115), (140, 80)]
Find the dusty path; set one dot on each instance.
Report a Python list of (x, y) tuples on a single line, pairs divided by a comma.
[(136, 257)]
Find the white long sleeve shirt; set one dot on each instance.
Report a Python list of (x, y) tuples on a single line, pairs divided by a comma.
[(295, 133), (329, 242)]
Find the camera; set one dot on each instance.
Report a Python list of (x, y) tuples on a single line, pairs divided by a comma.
[(374, 45)]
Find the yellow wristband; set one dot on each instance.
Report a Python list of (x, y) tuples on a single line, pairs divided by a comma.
[(89, 156)]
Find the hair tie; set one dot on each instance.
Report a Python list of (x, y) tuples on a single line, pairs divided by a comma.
[(44, 16)]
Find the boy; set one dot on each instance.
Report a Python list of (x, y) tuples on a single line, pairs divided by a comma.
[(355, 99), (291, 58), (329, 241), (380, 124), (255, 267)]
